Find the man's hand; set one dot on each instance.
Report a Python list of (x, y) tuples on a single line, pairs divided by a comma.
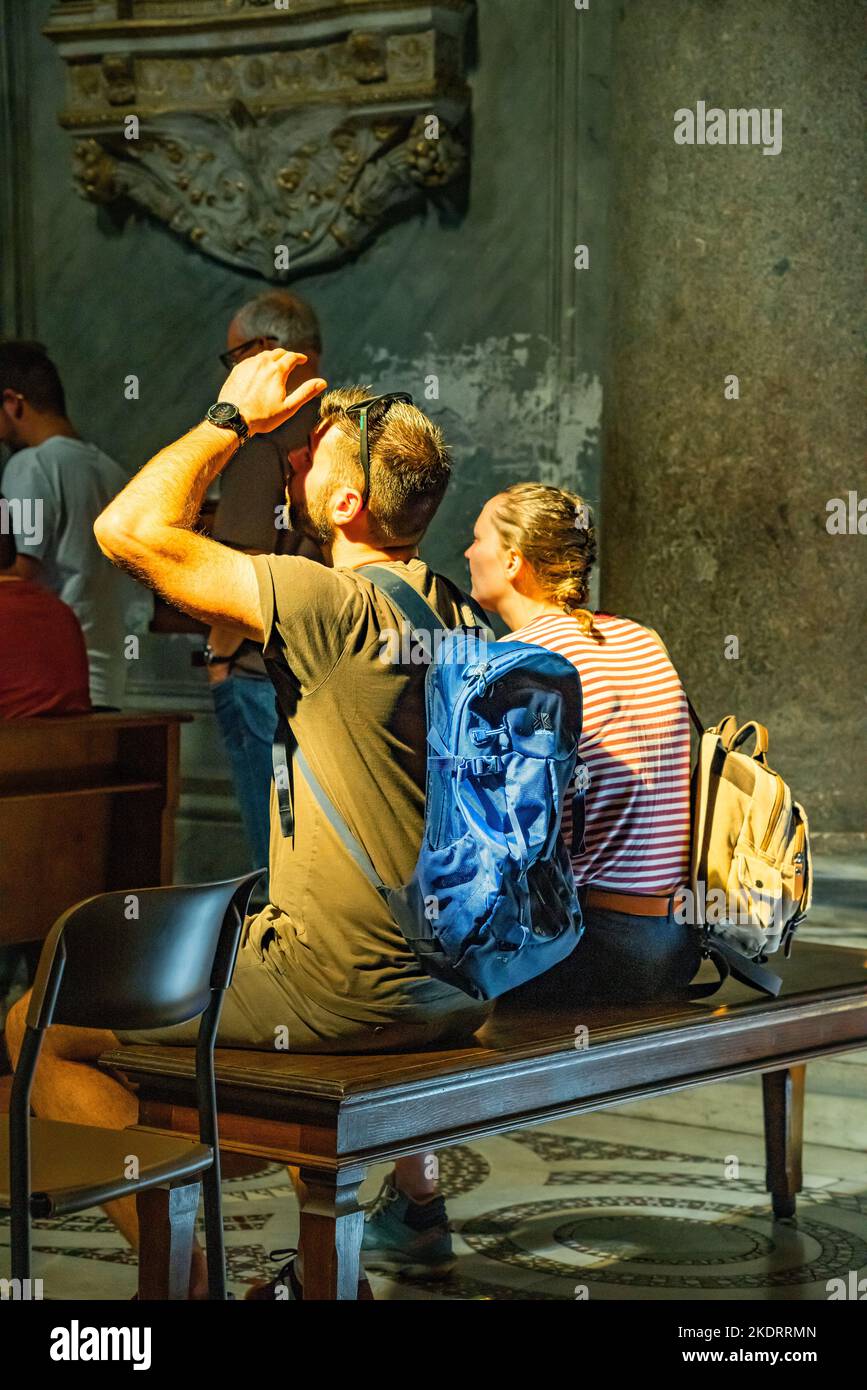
[(149, 527), (257, 386)]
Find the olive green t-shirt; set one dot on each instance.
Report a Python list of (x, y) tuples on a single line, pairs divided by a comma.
[(360, 722)]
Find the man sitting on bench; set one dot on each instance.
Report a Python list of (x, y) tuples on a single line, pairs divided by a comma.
[(323, 967)]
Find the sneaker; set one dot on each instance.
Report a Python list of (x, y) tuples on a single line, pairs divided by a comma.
[(286, 1287), (412, 1237)]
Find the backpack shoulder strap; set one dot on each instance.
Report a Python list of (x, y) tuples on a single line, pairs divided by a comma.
[(405, 598), (335, 819), (410, 603), (729, 961), (427, 947), (477, 610)]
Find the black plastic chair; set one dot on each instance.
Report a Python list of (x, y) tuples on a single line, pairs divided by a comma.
[(141, 959)]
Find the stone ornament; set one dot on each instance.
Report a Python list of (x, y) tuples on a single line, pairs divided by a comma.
[(278, 140)]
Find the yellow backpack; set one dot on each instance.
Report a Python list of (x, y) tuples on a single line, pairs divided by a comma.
[(751, 878), (750, 866)]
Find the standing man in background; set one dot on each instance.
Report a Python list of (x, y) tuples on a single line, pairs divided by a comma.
[(251, 516), (60, 484)]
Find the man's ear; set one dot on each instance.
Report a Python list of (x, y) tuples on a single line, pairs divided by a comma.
[(346, 506)]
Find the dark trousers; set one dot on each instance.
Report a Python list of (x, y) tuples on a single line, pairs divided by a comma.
[(621, 958)]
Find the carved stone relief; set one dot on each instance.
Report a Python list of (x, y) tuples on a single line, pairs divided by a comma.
[(275, 139)]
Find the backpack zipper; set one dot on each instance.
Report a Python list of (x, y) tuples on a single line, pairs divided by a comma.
[(772, 823)]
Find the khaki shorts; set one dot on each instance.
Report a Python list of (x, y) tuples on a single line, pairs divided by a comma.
[(267, 1010)]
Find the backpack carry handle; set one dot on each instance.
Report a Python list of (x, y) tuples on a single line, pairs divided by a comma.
[(744, 732)]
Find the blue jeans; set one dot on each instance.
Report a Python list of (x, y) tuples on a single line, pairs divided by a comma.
[(247, 717)]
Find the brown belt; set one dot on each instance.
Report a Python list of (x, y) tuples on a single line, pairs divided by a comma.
[(634, 903)]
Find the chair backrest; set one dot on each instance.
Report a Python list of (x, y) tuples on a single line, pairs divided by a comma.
[(140, 959)]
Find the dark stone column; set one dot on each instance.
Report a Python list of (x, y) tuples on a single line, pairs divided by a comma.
[(730, 261)]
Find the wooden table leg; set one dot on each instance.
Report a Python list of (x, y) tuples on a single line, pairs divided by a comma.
[(783, 1096), (167, 1224), (332, 1226)]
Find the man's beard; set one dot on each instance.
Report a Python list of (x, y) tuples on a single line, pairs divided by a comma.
[(311, 522)]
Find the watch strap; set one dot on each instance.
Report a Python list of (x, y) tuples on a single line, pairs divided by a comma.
[(213, 658), (234, 421)]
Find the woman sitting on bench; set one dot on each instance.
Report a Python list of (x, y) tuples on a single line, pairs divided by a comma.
[(530, 560)]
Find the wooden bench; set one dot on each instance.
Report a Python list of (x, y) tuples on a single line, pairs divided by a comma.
[(332, 1116)]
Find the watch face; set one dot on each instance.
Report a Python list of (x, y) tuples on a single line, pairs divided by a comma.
[(223, 412)]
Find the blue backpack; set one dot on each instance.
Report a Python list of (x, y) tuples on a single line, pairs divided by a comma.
[(492, 902)]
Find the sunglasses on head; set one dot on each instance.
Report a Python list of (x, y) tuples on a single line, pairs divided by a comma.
[(362, 411)]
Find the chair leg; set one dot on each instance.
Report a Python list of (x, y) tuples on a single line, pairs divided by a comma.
[(21, 1241), (215, 1246), (783, 1097), (332, 1226), (167, 1224)]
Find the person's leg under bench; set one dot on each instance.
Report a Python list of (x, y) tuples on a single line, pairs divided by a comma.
[(620, 957), (260, 1007)]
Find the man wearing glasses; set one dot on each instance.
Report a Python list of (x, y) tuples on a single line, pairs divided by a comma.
[(251, 516), (57, 483), (324, 967)]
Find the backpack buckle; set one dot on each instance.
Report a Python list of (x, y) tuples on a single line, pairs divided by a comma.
[(482, 766)]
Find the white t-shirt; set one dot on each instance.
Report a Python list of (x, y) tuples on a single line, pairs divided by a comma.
[(61, 486)]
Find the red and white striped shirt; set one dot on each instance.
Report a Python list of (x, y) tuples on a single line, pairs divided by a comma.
[(635, 742)]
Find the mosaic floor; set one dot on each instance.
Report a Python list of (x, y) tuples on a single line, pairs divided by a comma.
[(615, 1205), (603, 1206)]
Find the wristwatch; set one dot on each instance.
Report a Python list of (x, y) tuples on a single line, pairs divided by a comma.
[(212, 658), (228, 417)]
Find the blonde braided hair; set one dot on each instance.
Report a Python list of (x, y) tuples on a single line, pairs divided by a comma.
[(553, 530)]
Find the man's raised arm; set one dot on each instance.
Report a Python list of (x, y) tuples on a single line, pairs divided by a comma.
[(147, 528)]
